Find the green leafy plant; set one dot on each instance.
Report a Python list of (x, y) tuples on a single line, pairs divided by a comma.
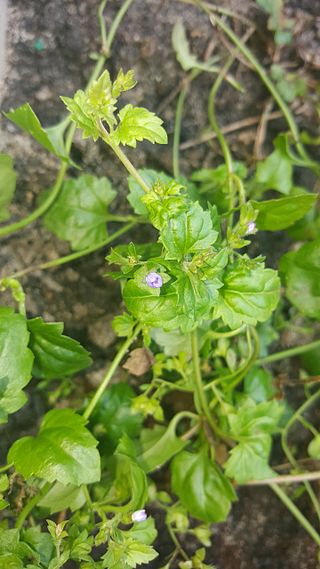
[(200, 315)]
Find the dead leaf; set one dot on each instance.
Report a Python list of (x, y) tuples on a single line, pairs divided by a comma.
[(139, 361)]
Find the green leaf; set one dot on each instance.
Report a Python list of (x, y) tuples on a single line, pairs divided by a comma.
[(181, 46), (113, 417), (80, 213), (258, 384), (201, 486), (136, 192), (314, 448), (196, 297), (127, 553), (301, 271), (123, 82), (56, 355), (160, 445), (60, 497), (40, 541), (137, 124), (81, 114), (12, 550), (275, 172), (26, 119), (123, 325), (249, 295), (15, 361), (7, 184), (63, 451), (249, 460), (145, 532), (278, 214), (188, 232), (129, 482), (155, 311)]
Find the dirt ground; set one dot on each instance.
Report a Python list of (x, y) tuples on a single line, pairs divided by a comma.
[(48, 55)]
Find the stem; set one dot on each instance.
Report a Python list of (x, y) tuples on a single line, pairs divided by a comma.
[(177, 130), (116, 23), (296, 513), (289, 353), (127, 164), (177, 543), (6, 467), (31, 504), (77, 254), (286, 479), (106, 380), (216, 335)]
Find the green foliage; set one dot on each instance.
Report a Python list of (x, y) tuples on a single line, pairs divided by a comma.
[(127, 553), (274, 215), (7, 185), (16, 361), (63, 451), (301, 275), (201, 486), (137, 124), (56, 355), (136, 192), (80, 213)]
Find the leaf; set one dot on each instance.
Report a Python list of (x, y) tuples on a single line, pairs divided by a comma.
[(155, 311), (139, 361), (12, 550), (137, 124), (162, 447), (196, 297), (249, 460), (127, 553), (136, 192), (129, 481), (181, 46), (123, 325), (275, 172), (79, 214), (201, 487), (7, 184), (145, 532), (314, 448), (249, 295), (301, 271), (188, 232), (123, 82), (172, 343), (40, 541), (25, 118), (15, 361), (278, 214), (113, 417), (63, 451), (258, 384), (56, 355), (81, 114), (61, 497)]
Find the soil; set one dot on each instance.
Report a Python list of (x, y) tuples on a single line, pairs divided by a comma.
[(49, 46)]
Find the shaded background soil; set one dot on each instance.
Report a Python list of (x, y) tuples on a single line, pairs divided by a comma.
[(48, 55)]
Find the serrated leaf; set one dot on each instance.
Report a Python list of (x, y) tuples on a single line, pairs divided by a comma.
[(63, 451), (80, 213), (249, 460), (137, 124), (278, 214), (25, 118), (7, 184), (136, 192), (145, 532), (123, 82), (40, 541), (249, 295), (188, 232), (201, 487), (81, 116), (127, 553), (123, 325), (15, 361), (301, 270), (196, 297), (56, 355)]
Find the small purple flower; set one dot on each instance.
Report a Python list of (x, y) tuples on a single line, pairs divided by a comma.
[(154, 280), (251, 228), (139, 516)]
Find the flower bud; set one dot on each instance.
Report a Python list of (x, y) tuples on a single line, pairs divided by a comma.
[(139, 516)]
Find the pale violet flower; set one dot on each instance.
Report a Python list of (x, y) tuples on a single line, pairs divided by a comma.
[(154, 280), (139, 516), (251, 227)]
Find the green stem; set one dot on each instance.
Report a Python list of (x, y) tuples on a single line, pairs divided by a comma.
[(177, 130), (127, 164), (6, 467), (177, 543), (77, 254), (116, 23), (296, 512), (291, 352), (106, 380), (268, 83), (31, 504), (230, 334)]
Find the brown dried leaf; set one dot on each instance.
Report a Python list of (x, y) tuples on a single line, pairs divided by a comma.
[(139, 361)]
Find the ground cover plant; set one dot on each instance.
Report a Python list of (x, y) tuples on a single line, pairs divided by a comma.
[(202, 310)]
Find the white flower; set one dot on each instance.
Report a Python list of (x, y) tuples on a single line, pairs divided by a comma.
[(139, 516), (251, 228)]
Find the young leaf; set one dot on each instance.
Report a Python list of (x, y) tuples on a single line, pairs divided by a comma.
[(181, 46), (15, 361), (278, 214), (136, 192), (188, 232), (145, 532), (123, 325), (56, 355), (127, 553), (301, 271), (80, 213), (201, 487), (249, 295), (196, 297), (160, 445), (40, 541), (137, 124), (81, 114), (60, 497), (63, 451), (26, 119), (7, 185), (123, 82)]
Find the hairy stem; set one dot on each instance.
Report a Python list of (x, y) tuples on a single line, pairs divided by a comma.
[(106, 380)]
